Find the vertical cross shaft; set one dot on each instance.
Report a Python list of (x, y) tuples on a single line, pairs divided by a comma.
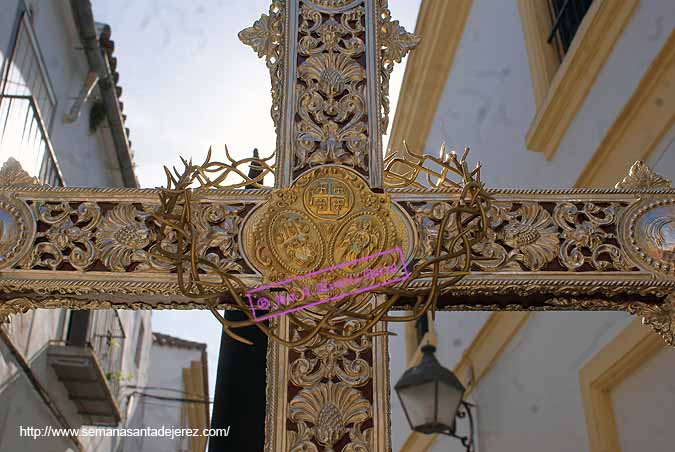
[(330, 62)]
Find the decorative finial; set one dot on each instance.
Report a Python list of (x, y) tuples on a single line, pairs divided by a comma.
[(641, 177), (12, 174), (396, 42), (266, 37)]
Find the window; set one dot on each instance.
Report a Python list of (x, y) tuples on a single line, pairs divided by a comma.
[(27, 105), (566, 17), (568, 43), (139, 344)]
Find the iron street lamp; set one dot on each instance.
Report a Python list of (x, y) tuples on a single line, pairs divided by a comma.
[(432, 399)]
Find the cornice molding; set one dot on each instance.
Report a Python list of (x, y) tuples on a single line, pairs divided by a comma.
[(440, 24), (600, 29), (627, 352), (644, 121)]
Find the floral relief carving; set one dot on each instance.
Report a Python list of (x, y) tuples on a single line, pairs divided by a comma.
[(526, 237), (331, 404), (216, 228), (531, 235), (122, 237), (125, 238)]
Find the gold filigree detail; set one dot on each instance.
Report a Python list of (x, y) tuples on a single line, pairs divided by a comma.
[(12, 173), (641, 177), (326, 359), (587, 240), (69, 237), (331, 99)]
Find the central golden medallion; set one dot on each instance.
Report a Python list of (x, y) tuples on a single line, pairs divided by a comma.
[(329, 216)]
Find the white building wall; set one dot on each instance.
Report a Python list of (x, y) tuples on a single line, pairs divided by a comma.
[(530, 399), (488, 101), (165, 379), (639, 426), (86, 160)]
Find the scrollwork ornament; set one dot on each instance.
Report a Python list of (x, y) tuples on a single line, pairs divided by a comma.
[(328, 359), (587, 237)]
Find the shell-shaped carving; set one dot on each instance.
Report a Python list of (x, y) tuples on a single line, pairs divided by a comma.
[(330, 407), (332, 72)]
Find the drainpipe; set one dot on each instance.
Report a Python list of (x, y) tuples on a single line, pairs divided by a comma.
[(84, 19)]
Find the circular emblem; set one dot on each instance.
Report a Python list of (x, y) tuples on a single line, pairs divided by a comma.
[(295, 241), (329, 216), (17, 231), (328, 198), (361, 236), (650, 233)]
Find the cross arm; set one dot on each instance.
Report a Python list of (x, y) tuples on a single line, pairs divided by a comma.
[(579, 249), (100, 247)]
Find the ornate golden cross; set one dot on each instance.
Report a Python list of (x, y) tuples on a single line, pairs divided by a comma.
[(200, 243)]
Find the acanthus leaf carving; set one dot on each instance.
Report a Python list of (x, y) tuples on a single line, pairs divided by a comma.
[(641, 177)]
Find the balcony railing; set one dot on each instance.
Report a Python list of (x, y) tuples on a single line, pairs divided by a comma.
[(89, 363), (23, 135)]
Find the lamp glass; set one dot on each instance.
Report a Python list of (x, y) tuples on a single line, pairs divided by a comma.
[(419, 402), (449, 399)]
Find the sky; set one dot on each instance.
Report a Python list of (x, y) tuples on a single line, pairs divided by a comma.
[(190, 84)]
